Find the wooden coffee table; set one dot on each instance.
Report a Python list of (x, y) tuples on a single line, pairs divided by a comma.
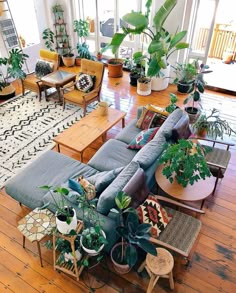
[(57, 80), (83, 133), (199, 191)]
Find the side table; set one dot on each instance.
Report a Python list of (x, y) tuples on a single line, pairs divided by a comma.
[(35, 226), (71, 267), (159, 266)]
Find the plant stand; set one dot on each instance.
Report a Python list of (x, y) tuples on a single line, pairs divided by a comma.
[(71, 267)]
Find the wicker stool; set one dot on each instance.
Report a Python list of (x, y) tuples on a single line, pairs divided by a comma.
[(158, 266)]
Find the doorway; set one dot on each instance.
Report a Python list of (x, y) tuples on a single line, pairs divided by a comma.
[(213, 41)]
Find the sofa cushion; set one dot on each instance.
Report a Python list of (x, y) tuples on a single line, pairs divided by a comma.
[(43, 68), (151, 212), (129, 132), (151, 151), (85, 82), (113, 154), (106, 200), (150, 119), (103, 179), (181, 130), (172, 119), (142, 138)]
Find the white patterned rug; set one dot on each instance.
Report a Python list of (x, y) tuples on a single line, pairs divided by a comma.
[(27, 128)]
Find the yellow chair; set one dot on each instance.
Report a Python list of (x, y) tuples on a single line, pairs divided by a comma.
[(32, 82), (72, 94)]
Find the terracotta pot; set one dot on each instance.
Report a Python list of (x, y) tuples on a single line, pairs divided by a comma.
[(119, 268), (77, 61), (68, 61), (115, 68), (8, 92)]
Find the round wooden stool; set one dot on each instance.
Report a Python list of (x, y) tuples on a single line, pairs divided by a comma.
[(158, 266)]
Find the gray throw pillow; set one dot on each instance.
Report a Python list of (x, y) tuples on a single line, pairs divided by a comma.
[(103, 179), (106, 200)]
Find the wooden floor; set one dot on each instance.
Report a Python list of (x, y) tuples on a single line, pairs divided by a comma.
[(213, 268)]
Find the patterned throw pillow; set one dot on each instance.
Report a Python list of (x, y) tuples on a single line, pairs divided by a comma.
[(142, 138), (153, 213), (43, 68), (85, 82), (150, 119)]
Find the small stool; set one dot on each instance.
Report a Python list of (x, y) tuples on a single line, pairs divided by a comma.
[(158, 266), (36, 225)]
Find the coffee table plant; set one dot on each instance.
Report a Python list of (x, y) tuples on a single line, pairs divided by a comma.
[(184, 162), (133, 235)]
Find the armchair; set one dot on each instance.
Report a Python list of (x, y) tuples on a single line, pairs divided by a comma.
[(32, 82), (218, 158), (72, 94)]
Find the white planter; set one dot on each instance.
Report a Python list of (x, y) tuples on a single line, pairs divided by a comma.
[(63, 227), (92, 252), (68, 256), (161, 83), (144, 88)]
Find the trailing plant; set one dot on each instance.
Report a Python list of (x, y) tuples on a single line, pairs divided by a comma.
[(185, 162), (14, 64), (162, 43), (48, 37), (172, 106), (213, 124), (131, 231)]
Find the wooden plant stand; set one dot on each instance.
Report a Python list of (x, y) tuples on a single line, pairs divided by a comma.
[(71, 267)]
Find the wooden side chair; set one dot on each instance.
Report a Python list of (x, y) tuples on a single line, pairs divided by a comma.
[(82, 96), (32, 82), (217, 158)]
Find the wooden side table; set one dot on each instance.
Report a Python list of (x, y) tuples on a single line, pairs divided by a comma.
[(35, 226), (71, 267), (159, 266)]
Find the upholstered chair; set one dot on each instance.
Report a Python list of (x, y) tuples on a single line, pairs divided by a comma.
[(81, 92), (32, 81)]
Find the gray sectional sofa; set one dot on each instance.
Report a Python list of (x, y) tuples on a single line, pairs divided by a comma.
[(113, 168)]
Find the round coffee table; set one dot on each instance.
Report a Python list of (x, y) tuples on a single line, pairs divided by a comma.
[(199, 191)]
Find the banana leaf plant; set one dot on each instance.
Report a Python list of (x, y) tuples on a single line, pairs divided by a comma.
[(162, 43)]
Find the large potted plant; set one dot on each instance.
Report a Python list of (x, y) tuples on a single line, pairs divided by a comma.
[(133, 235), (81, 28), (185, 162), (212, 125), (162, 43), (11, 67), (197, 88), (66, 219)]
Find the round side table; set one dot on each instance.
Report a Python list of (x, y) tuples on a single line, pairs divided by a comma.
[(159, 266)]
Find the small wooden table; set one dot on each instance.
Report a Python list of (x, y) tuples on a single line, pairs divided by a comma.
[(200, 190), (83, 133), (57, 80)]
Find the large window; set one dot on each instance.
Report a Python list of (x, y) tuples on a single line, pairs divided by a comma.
[(105, 17)]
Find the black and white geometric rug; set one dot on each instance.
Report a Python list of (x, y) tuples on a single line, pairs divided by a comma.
[(27, 128)]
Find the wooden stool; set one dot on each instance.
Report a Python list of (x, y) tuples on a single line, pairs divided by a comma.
[(158, 266)]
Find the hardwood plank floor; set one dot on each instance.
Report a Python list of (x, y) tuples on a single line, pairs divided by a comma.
[(213, 268)]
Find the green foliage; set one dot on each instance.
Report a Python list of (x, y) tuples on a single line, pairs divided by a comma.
[(185, 162), (48, 37), (162, 43), (172, 106), (131, 231), (81, 27), (213, 124), (14, 64), (83, 51)]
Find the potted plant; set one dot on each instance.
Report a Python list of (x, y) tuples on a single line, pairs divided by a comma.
[(133, 235), (81, 27), (68, 58), (198, 87), (48, 37), (136, 67), (172, 106), (115, 67), (66, 219), (162, 43), (212, 125), (185, 162), (58, 13), (92, 238), (185, 76), (11, 67)]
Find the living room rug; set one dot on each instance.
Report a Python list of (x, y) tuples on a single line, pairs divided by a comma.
[(27, 128)]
